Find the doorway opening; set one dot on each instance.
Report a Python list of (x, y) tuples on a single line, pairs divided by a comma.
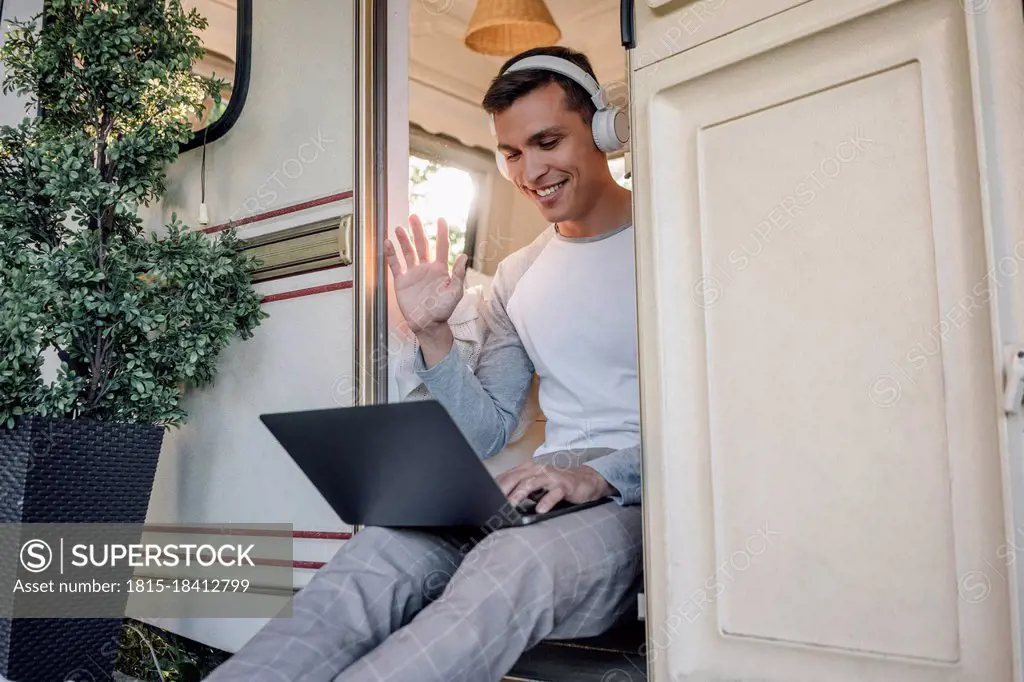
[(452, 174)]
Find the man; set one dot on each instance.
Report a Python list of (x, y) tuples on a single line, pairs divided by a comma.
[(410, 605)]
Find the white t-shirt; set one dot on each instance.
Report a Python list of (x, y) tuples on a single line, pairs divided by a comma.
[(574, 309)]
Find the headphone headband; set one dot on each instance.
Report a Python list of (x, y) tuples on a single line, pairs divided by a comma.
[(566, 68)]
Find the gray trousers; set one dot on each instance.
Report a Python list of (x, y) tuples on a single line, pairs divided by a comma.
[(409, 605)]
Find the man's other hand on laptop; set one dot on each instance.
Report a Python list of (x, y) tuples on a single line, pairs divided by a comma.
[(576, 484)]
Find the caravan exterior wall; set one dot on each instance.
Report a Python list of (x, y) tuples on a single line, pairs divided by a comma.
[(292, 146)]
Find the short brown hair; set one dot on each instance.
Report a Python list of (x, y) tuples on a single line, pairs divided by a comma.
[(506, 88)]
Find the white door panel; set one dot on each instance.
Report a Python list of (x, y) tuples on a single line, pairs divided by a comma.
[(824, 486), (789, 327)]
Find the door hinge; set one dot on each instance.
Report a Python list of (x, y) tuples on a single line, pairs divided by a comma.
[(1013, 378)]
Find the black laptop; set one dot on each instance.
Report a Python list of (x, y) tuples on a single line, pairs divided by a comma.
[(400, 465)]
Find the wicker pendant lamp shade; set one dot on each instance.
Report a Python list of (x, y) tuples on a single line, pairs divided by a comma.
[(506, 27)]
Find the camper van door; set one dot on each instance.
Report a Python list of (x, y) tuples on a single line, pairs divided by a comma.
[(825, 191)]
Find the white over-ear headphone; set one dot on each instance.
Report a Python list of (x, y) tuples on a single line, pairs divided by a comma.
[(610, 125)]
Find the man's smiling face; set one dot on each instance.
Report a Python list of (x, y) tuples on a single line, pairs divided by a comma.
[(550, 153)]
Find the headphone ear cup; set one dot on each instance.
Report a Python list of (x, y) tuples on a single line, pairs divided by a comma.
[(499, 160), (611, 129)]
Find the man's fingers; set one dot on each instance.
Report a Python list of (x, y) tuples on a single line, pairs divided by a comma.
[(420, 238), (403, 241), (392, 257), (527, 487), (508, 480), (459, 270), (554, 496), (442, 242), (415, 223)]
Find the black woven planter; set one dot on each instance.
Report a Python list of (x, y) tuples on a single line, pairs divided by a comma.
[(71, 471)]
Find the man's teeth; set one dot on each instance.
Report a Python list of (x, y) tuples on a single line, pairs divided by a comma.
[(548, 191)]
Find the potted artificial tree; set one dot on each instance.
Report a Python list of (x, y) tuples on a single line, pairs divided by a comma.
[(102, 326)]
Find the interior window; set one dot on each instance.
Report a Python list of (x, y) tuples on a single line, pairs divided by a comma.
[(220, 41), (442, 190)]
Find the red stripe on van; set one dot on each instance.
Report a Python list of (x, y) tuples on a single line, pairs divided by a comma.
[(277, 212), (263, 532), (255, 532), (314, 565), (263, 561), (321, 535), (309, 291), (260, 561)]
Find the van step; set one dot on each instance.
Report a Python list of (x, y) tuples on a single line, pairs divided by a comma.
[(616, 656), (552, 663)]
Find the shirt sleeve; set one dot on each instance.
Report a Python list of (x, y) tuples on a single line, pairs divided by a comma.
[(622, 471), (485, 405)]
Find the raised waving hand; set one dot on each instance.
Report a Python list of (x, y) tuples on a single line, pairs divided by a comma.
[(427, 292)]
